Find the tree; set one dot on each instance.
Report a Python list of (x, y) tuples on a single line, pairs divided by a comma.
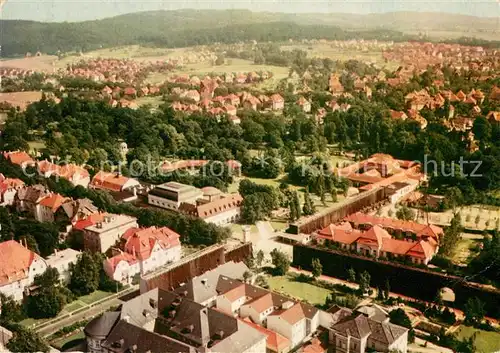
[(259, 258), (280, 261), (84, 274), (474, 311), (477, 220), (452, 236), (399, 317), (352, 275), (26, 340), (261, 281), (364, 282), (220, 60), (406, 214), (387, 289), (247, 275), (454, 197), (46, 303), (11, 310), (317, 268), (308, 208)]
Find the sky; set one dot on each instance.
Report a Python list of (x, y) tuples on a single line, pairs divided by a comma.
[(81, 10)]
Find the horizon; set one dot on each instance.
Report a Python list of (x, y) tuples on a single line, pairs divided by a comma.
[(78, 11)]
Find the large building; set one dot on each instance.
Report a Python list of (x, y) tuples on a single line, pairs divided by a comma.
[(61, 260), (18, 268), (8, 189), (215, 207), (172, 194), (101, 231), (143, 251), (161, 321)]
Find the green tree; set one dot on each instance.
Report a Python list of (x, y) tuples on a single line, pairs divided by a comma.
[(84, 274), (280, 261), (11, 310), (399, 317), (387, 289), (406, 214), (247, 275), (474, 311), (351, 275), (452, 236), (259, 259), (317, 268), (26, 340), (46, 302), (308, 207), (364, 282)]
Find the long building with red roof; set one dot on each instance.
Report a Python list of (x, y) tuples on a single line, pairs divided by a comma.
[(143, 250)]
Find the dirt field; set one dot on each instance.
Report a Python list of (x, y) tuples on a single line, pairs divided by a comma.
[(42, 63), (21, 99)]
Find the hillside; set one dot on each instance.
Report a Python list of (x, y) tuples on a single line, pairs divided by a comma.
[(192, 27)]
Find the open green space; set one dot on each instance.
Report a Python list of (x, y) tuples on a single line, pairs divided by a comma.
[(155, 102), (65, 342), (303, 291), (93, 297), (486, 342)]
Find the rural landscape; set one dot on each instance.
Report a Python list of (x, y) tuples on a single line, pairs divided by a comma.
[(236, 180)]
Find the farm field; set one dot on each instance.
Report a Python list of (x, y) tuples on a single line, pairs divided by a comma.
[(325, 50), (155, 102), (486, 342)]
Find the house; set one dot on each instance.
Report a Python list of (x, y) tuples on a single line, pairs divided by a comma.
[(398, 115), (275, 342), (230, 110), (75, 174), (8, 189), (61, 260), (5, 337), (251, 102), (113, 182), (304, 104), (19, 158), (493, 117), (28, 199), (277, 102), (106, 91), (334, 84), (101, 231), (73, 211), (359, 333), (48, 206), (193, 95), (241, 78), (220, 209), (18, 268), (172, 194), (130, 91), (143, 250)]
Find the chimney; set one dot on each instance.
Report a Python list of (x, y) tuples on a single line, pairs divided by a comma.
[(153, 303)]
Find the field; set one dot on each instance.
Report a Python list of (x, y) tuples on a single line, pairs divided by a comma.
[(325, 50), (21, 99), (313, 294), (486, 342), (155, 102)]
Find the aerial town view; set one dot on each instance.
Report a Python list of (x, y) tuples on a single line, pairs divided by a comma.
[(250, 177)]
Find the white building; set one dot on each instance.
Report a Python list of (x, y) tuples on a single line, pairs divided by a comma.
[(48, 206), (61, 261), (8, 190), (18, 268), (143, 251), (102, 230), (172, 194)]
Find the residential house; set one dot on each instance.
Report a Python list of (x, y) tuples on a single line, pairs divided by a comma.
[(493, 117), (334, 84), (18, 268), (19, 158), (27, 199), (113, 182), (48, 206), (130, 91), (143, 250), (76, 175), (62, 260), (172, 194), (73, 211), (277, 102), (397, 115), (8, 189), (357, 332), (251, 102), (101, 231), (275, 343), (304, 104)]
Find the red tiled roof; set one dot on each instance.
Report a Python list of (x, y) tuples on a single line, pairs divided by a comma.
[(123, 256), (18, 157), (110, 181), (395, 246), (53, 201), (15, 261), (235, 293), (291, 315), (89, 221), (140, 242)]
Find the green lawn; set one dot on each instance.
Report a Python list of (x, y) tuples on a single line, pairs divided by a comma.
[(155, 102), (93, 297), (486, 342), (60, 343), (299, 290), (74, 306)]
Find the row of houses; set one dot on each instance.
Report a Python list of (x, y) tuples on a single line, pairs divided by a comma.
[(217, 312)]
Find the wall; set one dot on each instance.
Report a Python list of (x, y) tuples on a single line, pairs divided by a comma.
[(337, 212), (410, 281)]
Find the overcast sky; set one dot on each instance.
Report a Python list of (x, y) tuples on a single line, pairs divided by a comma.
[(80, 10)]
